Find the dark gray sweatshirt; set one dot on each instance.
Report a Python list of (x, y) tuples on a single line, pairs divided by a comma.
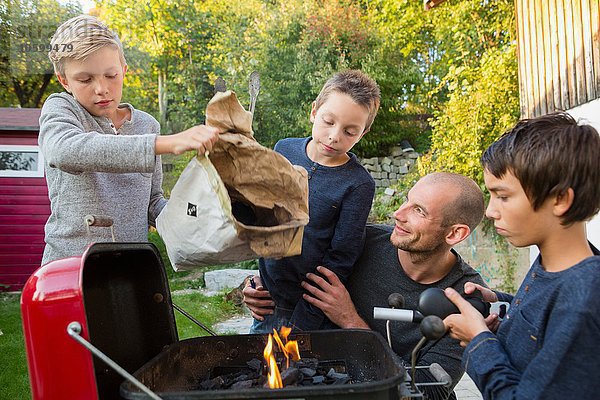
[(376, 275), (90, 169)]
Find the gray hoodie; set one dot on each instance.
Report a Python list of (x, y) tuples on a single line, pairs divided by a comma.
[(90, 169)]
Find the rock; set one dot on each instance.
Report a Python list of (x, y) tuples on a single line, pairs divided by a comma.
[(237, 325), (399, 162), (397, 151), (369, 161), (369, 167), (226, 278)]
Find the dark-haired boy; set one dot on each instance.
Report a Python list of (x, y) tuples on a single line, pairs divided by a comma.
[(544, 180)]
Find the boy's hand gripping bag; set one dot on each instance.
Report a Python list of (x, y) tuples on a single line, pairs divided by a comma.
[(245, 201)]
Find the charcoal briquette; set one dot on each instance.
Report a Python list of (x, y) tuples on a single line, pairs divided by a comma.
[(308, 372), (247, 384)]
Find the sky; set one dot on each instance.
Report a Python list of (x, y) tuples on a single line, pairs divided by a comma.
[(86, 5)]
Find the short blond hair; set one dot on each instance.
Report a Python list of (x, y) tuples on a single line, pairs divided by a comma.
[(79, 37), (361, 88)]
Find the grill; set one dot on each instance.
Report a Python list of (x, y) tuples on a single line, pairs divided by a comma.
[(376, 370), (117, 296)]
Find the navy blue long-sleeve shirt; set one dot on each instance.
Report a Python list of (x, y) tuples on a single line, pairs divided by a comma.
[(339, 201), (547, 346)]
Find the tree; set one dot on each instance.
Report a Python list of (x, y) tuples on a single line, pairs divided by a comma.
[(26, 74), (185, 44), (481, 85), (483, 104)]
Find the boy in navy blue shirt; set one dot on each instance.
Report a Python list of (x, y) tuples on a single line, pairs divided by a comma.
[(544, 182), (340, 197)]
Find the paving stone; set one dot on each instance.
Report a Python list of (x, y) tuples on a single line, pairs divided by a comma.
[(226, 278), (238, 326)]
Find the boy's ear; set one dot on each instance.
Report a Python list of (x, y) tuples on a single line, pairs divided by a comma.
[(124, 69), (63, 81), (313, 112), (457, 233), (563, 202)]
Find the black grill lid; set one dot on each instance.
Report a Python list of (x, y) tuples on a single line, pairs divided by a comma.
[(128, 308)]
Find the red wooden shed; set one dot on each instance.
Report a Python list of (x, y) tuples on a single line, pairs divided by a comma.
[(24, 203)]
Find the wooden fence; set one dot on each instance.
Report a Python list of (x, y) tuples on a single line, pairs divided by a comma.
[(559, 54)]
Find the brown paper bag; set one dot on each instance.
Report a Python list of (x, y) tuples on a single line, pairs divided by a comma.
[(244, 201)]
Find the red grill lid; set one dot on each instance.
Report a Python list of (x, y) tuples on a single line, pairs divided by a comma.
[(120, 295)]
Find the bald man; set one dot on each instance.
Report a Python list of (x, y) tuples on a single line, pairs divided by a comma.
[(440, 211)]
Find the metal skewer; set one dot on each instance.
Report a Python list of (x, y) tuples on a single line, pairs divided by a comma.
[(254, 89)]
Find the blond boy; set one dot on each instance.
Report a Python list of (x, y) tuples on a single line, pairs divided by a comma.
[(340, 197), (102, 157)]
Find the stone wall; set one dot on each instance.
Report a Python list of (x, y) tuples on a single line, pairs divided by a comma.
[(388, 170)]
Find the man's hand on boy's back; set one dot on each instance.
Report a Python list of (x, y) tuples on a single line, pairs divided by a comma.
[(258, 299), (330, 295), (200, 138)]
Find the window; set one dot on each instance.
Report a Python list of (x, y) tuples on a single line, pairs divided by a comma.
[(21, 161)]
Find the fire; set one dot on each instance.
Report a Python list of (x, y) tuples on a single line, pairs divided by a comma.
[(289, 349), (273, 377)]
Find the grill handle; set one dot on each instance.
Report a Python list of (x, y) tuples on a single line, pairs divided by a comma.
[(74, 330), (101, 221)]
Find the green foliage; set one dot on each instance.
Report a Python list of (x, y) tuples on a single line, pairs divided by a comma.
[(384, 205), (295, 46), (441, 63), (181, 47), (480, 83), (483, 104), (26, 74)]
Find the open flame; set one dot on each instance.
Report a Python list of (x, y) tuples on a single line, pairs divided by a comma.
[(289, 349)]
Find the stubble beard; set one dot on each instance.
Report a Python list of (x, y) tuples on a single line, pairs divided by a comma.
[(420, 249)]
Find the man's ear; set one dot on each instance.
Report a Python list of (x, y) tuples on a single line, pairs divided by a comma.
[(563, 202), (63, 81), (457, 233)]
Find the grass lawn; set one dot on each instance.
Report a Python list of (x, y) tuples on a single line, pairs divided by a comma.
[(14, 381)]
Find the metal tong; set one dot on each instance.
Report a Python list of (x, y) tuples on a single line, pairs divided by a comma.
[(253, 88)]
